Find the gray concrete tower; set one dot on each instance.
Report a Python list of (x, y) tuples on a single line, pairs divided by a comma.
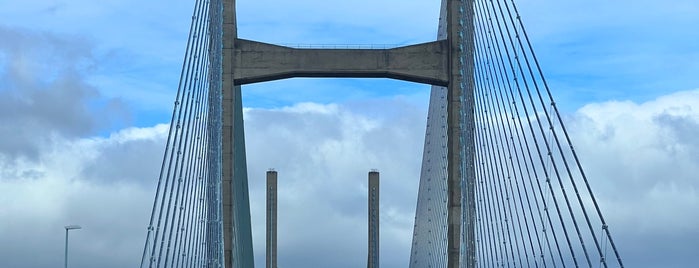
[(271, 219), (446, 63), (373, 217)]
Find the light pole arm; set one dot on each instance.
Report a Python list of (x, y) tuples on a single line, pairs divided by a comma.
[(68, 228), (65, 257)]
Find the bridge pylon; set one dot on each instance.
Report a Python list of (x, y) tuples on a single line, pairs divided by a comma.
[(532, 197), (446, 63)]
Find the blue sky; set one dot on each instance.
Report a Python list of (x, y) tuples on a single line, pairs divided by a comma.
[(620, 50), (86, 85), (590, 50)]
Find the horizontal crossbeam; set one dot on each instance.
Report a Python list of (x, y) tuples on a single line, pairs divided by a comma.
[(422, 63)]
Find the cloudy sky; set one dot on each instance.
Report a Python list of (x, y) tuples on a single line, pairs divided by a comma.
[(87, 86)]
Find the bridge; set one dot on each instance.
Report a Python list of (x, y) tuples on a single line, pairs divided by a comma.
[(500, 186)]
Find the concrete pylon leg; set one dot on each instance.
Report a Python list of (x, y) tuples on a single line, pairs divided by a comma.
[(373, 218), (460, 134), (271, 219), (237, 230)]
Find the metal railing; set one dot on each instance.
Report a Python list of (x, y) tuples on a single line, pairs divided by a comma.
[(343, 46)]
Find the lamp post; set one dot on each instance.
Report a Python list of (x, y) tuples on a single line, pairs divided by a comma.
[(68, 228)]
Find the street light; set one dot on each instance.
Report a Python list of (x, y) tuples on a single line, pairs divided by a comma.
[(68, 228)]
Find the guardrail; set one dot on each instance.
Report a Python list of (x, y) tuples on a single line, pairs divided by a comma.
[(343, 46)]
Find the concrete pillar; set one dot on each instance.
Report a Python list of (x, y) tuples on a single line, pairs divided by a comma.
[(271, 219), (237, 229), (373, 197), (460, 133)]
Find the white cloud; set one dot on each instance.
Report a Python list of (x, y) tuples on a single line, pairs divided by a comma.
[(642, 161), (641, 157), (135, 47), (58, 192), (638, 156), (323, 154)]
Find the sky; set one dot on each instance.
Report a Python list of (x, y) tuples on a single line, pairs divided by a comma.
[(87, 87)]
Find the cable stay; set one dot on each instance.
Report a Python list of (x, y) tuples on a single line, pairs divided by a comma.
[(185, 226), (531, 208), (532, 205)]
